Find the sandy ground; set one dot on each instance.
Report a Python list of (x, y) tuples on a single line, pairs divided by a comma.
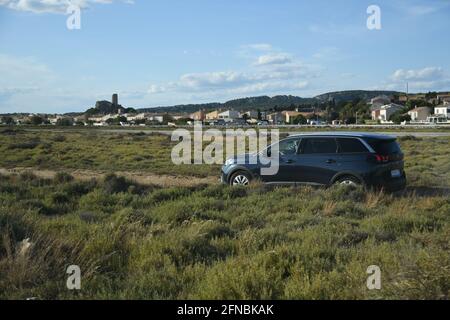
[(139, 177)]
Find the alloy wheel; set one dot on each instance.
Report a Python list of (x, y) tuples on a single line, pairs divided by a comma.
[(240, 180), (348, 182)]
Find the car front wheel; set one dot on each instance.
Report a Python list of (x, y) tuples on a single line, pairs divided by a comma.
[(240, 179)]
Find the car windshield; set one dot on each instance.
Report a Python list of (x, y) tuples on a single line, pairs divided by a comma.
[(288, 147)]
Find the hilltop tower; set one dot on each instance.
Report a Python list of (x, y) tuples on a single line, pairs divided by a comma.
[(115, 99)]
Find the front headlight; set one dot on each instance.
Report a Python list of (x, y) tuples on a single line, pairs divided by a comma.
[(229, 162)]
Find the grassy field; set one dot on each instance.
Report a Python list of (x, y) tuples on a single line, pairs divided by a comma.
[(144, 241), (427, 158), (93, 150)]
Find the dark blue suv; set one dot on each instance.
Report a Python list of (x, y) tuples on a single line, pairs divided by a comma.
[(372, 160)]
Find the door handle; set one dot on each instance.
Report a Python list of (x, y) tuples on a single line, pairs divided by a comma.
[(289, 161), (329, 161)]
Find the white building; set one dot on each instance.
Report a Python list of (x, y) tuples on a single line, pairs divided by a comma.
[(385, 112), (419, 114), (134, 117), (99, 119), (157, 118), (229, 115), (443, 111), (379, 101), (54, 120)]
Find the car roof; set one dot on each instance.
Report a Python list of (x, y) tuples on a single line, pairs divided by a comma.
[(346, 134)]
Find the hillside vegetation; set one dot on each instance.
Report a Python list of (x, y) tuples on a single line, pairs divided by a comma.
[(265, 103)]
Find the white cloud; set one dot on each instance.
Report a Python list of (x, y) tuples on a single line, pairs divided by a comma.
[(52, 6), (213, 79), (428, 73), (273, 72), (273, 58), (419, 80), (28, 85)]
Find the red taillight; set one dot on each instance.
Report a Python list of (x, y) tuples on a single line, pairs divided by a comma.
[(381, 159), (378, 158)]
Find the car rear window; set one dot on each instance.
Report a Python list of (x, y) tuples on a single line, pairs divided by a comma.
[(319, 145), (350, 145), (384, 146)]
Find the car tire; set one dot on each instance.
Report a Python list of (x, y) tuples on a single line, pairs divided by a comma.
[(348, 180), (240, 178)]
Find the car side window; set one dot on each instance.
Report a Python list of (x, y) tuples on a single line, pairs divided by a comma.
[(288, 147), (351, 145), (319, 146)]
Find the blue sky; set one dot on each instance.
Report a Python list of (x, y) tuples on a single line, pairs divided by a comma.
[(165, 52)]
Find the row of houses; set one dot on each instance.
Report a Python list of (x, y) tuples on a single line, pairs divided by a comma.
[(139, 118), (225, 115), (230, 116), (382, 109), (419, 114)]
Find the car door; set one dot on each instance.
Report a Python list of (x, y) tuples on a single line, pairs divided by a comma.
[(318, 160), (288, 171), (352, 155)]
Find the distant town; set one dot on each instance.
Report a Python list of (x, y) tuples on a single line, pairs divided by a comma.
[(332, 109)]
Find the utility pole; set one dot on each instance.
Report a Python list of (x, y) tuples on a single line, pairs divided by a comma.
[(407, 91)]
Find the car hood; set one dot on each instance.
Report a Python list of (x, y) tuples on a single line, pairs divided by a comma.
[(245, 158)]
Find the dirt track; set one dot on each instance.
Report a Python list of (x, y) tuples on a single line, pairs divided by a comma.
[(142, 178)]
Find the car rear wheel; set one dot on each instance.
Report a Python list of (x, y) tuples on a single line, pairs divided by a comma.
[(240, 179), (348, 181)]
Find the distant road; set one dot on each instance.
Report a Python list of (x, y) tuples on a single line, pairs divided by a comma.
[(397, 134), (402, 134), (419, 134)]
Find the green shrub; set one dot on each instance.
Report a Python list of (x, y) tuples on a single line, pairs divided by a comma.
[(24, 145), (115, 184), (79, 188), (63, 177)]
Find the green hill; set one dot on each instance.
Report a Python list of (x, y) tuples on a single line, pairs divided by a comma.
[(352, 95), (265, 103)]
